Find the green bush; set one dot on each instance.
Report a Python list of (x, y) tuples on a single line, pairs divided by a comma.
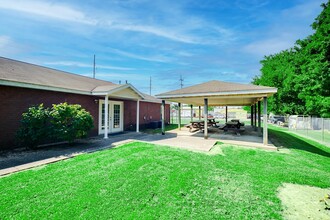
[(70, 121), (63, 122), (32, 131)]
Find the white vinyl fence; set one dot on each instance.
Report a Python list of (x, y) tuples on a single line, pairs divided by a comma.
[(317, 129)]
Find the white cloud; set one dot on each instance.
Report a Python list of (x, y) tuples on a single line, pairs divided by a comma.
[(4, 41), (161, 59), (80, 64), (9, 47), (289, 26), (47, 9), (268, 46), (184, 32), (165, 32)]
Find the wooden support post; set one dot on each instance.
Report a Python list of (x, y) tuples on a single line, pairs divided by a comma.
[(226, 114), (199, 113), (255, 117), (138, 115), (259, 118), (265, 129), (205, 118), (252, 115), (106, 116), (191, 113), (163, 117), (179, 114)]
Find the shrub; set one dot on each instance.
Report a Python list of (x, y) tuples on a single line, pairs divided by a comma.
[(41, 125), (32, 131), (70, 121)]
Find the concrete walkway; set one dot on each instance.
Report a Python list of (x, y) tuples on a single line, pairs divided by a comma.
[(26, 159)]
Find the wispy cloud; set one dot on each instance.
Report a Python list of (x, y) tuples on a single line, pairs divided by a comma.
[(48, 9), (268, 46), (251, 4), (9, 47), (157, 58), (164, 32), (123, 21), (285, 30), (4, 41), (80, 64)]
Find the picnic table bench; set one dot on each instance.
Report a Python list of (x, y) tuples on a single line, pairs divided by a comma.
[(199, 124), (234, 125)]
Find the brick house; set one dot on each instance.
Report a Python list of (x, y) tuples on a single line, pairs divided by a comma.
[(121, 106)]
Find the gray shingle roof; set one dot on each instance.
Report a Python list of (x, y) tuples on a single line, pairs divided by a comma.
[(215, 86), (21, 72)]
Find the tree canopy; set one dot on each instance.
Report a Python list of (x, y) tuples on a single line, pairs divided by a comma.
[(301, 73)]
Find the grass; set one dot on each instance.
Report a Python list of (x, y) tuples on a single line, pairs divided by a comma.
[(144, 181), (159, 130)]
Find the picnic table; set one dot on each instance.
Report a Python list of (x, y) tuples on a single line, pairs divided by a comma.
[(234, 125), (199, 124)]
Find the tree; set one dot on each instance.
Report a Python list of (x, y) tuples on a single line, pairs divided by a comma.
[(302, 73)]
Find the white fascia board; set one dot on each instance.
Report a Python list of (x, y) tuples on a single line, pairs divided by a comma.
[(42, 87), (243, 92)]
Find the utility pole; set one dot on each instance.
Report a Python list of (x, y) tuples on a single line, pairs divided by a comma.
[(181, 81), (150, 86), (94, 68)]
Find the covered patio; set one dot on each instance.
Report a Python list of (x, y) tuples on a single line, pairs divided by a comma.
[(218, 93)]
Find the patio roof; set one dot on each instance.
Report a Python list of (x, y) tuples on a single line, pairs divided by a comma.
[(219, 93)]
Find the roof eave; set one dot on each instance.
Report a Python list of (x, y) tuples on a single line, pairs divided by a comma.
[(42, 87), (242, 92)]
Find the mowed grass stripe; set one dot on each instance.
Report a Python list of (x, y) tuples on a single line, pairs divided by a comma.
[(144, 181)]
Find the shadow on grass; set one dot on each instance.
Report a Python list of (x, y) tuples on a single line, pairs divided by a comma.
[(283, 139), (159, 130)]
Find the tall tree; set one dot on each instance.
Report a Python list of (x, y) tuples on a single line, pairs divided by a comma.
[(302, 73)]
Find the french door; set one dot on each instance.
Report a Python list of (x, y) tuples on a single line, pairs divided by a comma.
[(115, 116)]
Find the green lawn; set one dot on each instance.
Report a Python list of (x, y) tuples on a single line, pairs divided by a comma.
[(144, 181)]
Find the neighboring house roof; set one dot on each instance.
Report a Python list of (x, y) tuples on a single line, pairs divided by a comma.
[(21, 74), (219, 93)]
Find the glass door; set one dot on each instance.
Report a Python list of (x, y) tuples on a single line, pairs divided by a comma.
[(116, 121), (115, 116)]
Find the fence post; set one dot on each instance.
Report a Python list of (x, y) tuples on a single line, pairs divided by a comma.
[(323, 129)]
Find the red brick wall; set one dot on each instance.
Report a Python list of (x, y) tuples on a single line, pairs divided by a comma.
[(14, 101), (148, 112)]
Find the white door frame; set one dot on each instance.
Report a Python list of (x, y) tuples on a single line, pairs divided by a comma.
[(111, 128), (114, 129)]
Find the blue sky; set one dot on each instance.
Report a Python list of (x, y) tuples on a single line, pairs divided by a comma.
[(134, 40)]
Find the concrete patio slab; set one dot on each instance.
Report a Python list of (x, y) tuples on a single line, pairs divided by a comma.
[(27, 159)]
